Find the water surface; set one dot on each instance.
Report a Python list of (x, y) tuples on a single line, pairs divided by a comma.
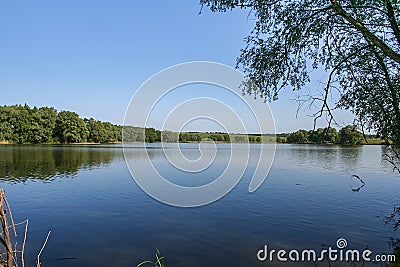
[(100, 217)]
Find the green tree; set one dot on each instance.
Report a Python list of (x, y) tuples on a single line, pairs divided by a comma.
[(324, 136), (300, 136), (217, 137), (183, 137), (170, 137), (331, 135), (320, 136), (240, 139), (226, 138), (42, 124), (349, 135), (152, 135), (96, 131), (70, 128), (20, 122), (133, 134), (356, 42), (102, 132), (7, 120), (282, 138)]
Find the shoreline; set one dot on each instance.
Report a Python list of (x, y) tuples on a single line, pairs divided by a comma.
[(193, 142), (51, 143)]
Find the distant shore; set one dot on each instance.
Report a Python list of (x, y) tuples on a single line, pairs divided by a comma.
[(57, 143), (45, 125), (372, 141)]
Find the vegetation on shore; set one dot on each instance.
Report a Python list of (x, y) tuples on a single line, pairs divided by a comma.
[(20, 124), (151, 135), (348, 135)]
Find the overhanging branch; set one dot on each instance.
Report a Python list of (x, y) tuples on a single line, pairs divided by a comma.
[(368, 35)]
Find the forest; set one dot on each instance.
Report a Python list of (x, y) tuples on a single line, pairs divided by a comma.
[(21, 124), (348, 135)]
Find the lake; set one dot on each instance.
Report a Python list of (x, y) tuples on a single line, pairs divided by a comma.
[(99, 216)]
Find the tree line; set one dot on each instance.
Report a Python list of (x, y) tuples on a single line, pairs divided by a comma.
[(22, 124), (348, 135), (150, 135)]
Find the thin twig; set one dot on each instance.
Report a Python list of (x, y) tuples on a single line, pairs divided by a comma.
[(40, 252), (15, 254), (23, 244), (20, 223), (11, 217), (4, 223)]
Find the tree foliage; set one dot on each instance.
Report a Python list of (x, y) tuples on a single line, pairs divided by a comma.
[(348, 135), (103, 132), (300, 136), (356, 42), (150, 135), (70, 128), (22, 124)]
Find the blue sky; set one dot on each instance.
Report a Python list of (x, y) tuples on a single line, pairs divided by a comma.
[(90, 56)]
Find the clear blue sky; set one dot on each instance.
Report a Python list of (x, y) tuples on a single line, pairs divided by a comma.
[(90, 56)]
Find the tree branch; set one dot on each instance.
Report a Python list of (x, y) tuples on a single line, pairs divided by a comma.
[(327, 87), (368, 7), (392, 20), (368, 35)]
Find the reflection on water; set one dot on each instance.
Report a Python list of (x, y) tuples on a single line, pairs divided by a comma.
[(306, 201), (391, 155), (327, 157), (20, 163), (356, 183), (394, 221)]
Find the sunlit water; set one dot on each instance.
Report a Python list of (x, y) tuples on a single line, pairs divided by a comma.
[(99, 216)]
